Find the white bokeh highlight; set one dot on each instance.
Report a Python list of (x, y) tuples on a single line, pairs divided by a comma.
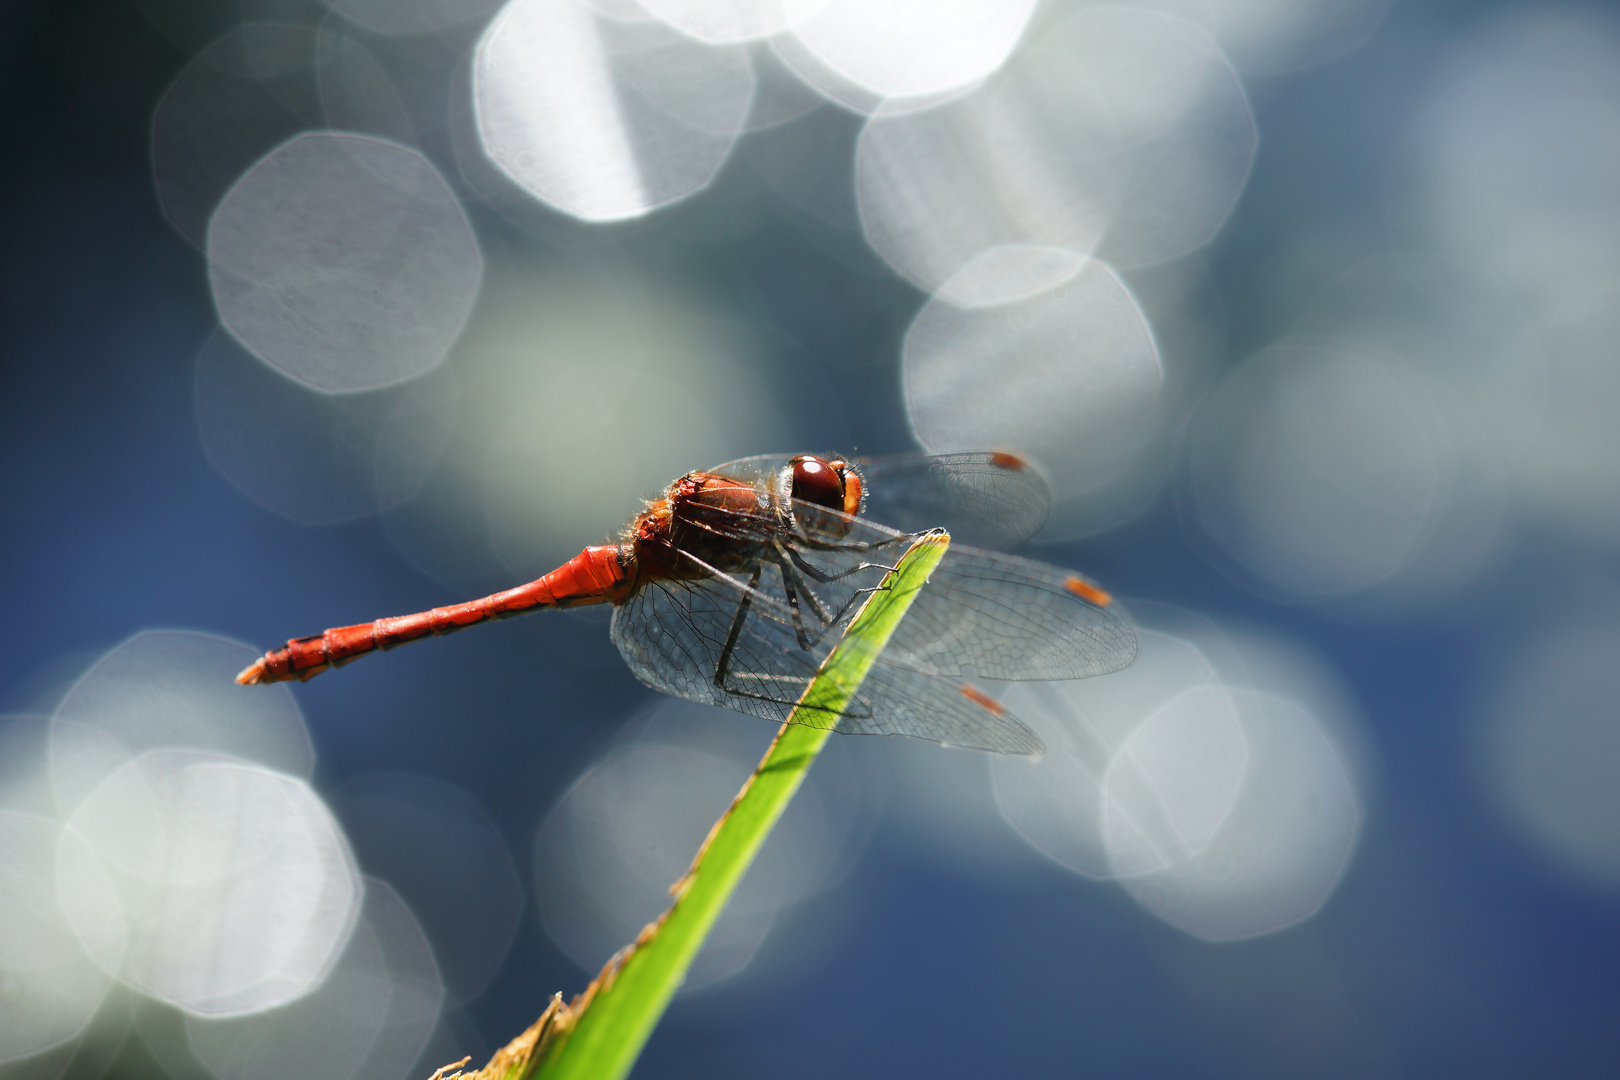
[(1149, 97), (52, 987), (1058, 803), (931, 193), (1284, 845), (1120, 133), (901, 52), (1226, 810), (1483, 370), (370, 1019), (1170, 787), (601, 119), (165, 689), (344, 262), (1069, 374), (195, 864), (208, 882), (724, 22)]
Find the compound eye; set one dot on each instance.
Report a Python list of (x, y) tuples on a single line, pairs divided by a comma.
[(816, 481)]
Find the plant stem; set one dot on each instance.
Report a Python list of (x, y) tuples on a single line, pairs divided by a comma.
[(600, 1034)]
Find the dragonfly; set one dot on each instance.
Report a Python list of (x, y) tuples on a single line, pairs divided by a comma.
[(732, 588)]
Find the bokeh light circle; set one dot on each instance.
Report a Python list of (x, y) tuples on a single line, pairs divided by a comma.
[(249, 91), (723, 22), (607, 853), (1171, 785), (1484, 369), (1284, 843), (602, 119), (444, 856), (1144, 98), (932, 192), (165, 689), (343, 261), (1320, 467), (208, 882), (370, 1019), (51, 987), (1069, 374), (1551, 746), (1057, 803), (315, 457), (411, 16), (867, 55), (1228, 811), (197, 864), (1120, 133)]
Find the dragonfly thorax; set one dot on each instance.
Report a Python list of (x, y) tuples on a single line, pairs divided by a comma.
[(702, 519)]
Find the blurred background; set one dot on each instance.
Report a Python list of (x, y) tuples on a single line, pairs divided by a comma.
[(315, 312)]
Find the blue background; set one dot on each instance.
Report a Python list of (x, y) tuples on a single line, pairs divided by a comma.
[(1451, 947)]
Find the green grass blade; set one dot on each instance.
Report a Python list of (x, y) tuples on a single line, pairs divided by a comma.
[(622, 1008)]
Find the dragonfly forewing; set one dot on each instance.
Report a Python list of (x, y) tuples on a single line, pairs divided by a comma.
[(982, 499), (720, 640), (994, 616), (986, 498), (727, 640), (984, 614)]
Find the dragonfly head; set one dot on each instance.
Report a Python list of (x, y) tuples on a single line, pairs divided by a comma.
[(831, 483)]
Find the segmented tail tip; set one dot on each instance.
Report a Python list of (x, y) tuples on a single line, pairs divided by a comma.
[(253, 674)]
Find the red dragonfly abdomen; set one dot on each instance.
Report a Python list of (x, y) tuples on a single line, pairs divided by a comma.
[(596, 575)]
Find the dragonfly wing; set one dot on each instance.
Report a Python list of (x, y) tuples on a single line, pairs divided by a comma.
[(989, 499), (905, 701), (984, 614), (672, 633), (759, 469), (983, 499), (989, 615)]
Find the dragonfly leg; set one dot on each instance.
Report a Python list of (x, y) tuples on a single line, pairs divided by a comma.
[(789, 578), (793, 584), (722, 668), (815, 573), (854, 546), (724, 663)]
